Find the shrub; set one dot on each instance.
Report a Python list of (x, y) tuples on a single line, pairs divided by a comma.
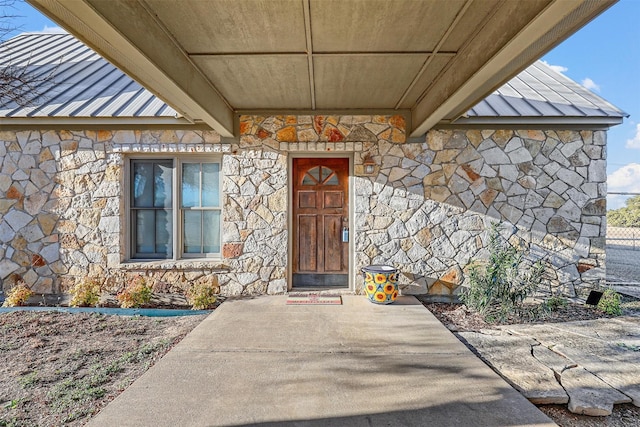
[(610, 302), (555, 302), (136, 294), (86, 292), (498, 289), (201, 296), (18, 295)]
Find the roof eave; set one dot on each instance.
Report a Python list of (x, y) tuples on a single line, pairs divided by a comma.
[(106, 123), (546, 122)]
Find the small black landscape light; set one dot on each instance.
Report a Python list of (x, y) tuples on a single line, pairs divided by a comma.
[(594, 297)]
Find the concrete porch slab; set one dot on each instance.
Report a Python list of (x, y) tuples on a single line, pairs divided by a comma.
[(258, 361)]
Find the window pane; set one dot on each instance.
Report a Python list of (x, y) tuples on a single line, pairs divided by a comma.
[(142, 184), (192, 227), (164, 243), (312, 177), (145, 231), (190, 185), (162, 189), (211, 231), (210, 185), (333, 180)]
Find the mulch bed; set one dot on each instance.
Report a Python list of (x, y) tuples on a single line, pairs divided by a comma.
[(457, 317)]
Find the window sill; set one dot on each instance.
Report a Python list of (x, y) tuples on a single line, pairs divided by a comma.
[(212, 264)]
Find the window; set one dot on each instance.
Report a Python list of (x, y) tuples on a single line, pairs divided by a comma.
[(320, 175), (156, 214)]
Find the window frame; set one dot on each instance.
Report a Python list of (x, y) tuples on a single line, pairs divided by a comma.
[(176, 209)]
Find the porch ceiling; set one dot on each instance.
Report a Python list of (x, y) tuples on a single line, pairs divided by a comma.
[(431, 60)]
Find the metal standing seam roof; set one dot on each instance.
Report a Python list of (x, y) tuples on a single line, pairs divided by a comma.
[(539, 92), (84, 85)]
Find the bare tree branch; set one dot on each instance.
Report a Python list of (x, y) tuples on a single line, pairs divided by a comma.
[(7, 16), (20, 85)]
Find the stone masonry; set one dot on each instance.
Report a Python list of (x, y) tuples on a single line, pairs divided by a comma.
[(425, 210)]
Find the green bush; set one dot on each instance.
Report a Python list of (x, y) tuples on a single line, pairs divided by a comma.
[(202, 296), (627, 216), (610, 302), (555, 302), (498, 288), (136, 294), (86, 292)]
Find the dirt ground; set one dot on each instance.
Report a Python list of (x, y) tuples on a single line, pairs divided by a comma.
[(61, 368), (457, 317)]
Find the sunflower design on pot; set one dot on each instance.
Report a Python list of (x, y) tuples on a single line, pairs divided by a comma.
[(381, 283), (380, 297), (371, 288)]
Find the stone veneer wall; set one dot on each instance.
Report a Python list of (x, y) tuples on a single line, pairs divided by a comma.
[(61, 205), (428, 205), (425, 209)]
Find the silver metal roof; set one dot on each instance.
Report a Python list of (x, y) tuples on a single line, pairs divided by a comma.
[(82, 83), (86, 86), (541, 93)]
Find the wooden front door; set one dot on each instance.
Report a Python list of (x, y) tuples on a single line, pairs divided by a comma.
[(320, 219)]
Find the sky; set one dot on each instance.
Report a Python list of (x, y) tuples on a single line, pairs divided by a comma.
[(603, 56)]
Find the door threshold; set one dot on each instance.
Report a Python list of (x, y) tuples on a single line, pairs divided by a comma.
[(321, 290)]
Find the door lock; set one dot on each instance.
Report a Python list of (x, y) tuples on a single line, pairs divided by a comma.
[(345, 234)]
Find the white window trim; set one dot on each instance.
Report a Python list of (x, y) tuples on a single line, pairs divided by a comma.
[(178, 160)]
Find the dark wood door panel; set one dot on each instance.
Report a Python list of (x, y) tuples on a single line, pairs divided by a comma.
[(333, 261), (320, 211), (307, 247), (307, 199), (333, 199)]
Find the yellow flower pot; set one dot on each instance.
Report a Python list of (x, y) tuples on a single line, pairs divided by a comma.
[(381, 283)]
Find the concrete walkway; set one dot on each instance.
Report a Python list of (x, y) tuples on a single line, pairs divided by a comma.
[(261, 362)]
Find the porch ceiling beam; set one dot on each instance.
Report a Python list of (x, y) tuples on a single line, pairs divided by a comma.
[(435, 52), (127, 34), (446, 100), (309, 42), (324, 54)]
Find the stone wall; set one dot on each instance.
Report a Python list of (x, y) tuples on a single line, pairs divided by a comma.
[(62, 205), (427, 209), (424, 210)]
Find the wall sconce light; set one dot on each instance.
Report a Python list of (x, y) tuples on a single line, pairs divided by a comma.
[(369, 165)]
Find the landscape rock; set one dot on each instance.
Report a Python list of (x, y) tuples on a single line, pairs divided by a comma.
[(589, 395), (511, 356)]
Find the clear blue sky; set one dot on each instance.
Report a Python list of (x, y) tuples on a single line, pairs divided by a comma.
[(607, 51), (604, 56)]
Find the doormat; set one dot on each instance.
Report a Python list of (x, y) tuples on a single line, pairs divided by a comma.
[(313, 299)]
